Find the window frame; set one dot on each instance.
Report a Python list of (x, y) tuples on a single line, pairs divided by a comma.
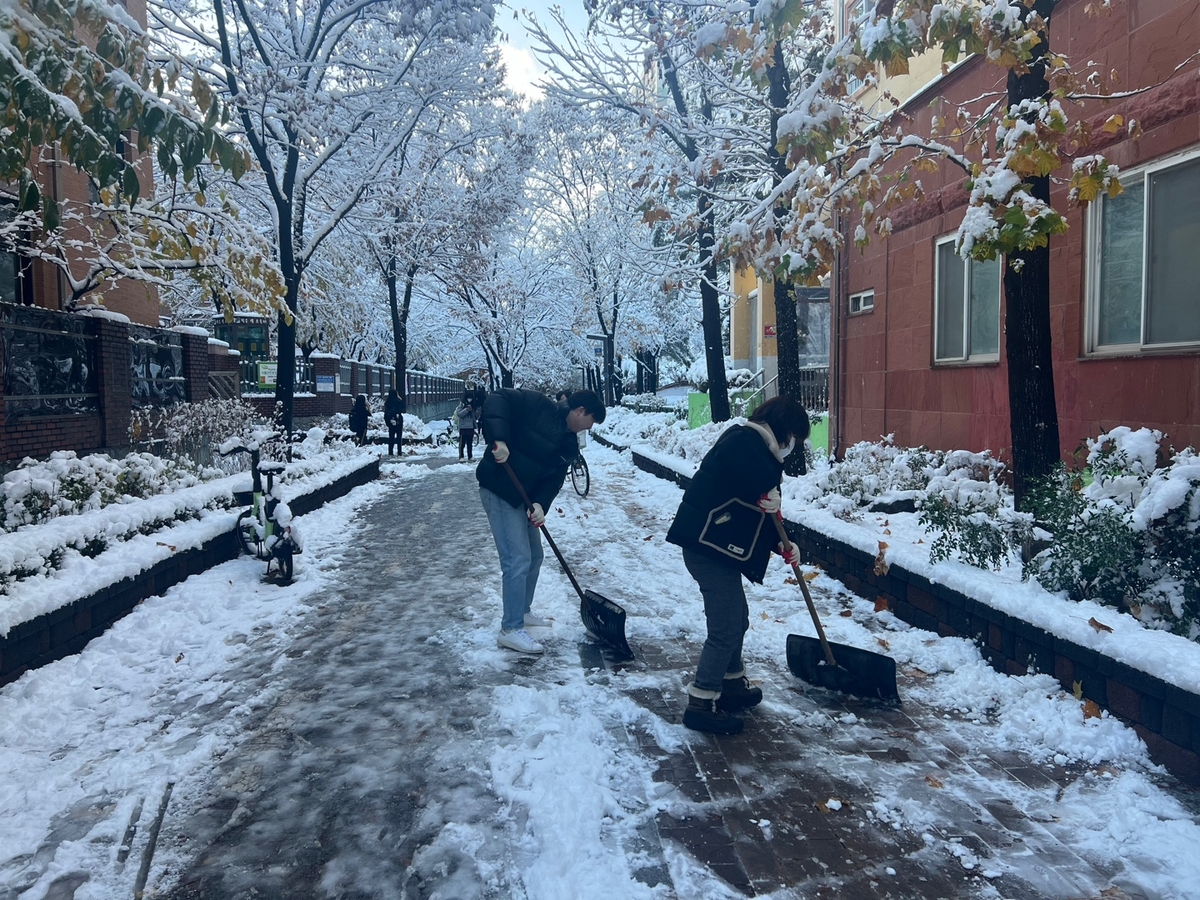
[(863, 307), (969, 359), (1095, 235)]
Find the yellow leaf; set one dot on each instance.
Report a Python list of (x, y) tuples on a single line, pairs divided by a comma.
[(1113, 125), (810, 577), (1077, 689)]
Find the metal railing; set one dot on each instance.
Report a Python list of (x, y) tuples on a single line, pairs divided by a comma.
[(814, 392)]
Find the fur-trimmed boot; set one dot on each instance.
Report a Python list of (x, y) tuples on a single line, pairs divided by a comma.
[(703, 713), (737, 693)]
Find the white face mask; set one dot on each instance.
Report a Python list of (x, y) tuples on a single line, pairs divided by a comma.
[(791, 445)]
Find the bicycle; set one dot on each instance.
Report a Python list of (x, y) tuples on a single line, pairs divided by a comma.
[(581, 479), (259, 532)]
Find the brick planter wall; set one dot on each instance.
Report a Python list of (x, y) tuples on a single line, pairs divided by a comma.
[(67, 630), (1166, 717)]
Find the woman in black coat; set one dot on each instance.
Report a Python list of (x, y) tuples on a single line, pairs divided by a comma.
[(724, 531), (358, 420)]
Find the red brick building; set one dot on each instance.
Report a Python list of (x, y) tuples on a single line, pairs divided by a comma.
[(919, 334)]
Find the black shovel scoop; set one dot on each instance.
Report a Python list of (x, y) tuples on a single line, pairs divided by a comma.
[(852, 671), (601, 617)]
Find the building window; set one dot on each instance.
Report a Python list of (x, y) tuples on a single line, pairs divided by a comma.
[(1144, 263), (862, 302), (858, 12), (966, 307)]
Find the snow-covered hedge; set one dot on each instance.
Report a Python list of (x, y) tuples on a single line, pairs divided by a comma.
[(67, 484)]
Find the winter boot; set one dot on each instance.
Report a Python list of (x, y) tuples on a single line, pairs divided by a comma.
[(737, 693), (703, 713)]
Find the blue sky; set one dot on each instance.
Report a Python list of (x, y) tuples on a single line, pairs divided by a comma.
[(523, 69)]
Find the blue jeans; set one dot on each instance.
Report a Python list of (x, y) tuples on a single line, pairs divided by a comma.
[(727, 615), (519, 545)]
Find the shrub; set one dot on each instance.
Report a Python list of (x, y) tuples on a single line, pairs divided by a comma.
[(1131, 538)]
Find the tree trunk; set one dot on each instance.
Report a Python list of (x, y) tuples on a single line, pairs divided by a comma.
[(400, 316), (710, 315), (1033, 414)]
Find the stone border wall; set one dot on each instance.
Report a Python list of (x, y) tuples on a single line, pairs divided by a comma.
[(1166, 717), (68, 630)]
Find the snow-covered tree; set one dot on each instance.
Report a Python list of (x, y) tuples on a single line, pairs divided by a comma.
[(635, 59), (326, 95), (80, 85)]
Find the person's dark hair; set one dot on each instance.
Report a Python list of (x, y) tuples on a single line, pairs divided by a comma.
[(591, 402), (786, 417), (562, 395)]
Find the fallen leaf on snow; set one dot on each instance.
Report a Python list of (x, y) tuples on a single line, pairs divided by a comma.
[(933, 782), (881, 603), (1095, 623), (810, 577), (171, 547), (790, 580), (1077, 689), (1091, 710), (845, 614), (648, 537), (884, 644)]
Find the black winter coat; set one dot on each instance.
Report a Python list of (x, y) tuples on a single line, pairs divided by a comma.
[(719, 514), (394, 409), (359, 416), (541, 448)]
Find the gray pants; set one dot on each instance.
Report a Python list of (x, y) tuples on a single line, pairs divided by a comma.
[(728, 617)]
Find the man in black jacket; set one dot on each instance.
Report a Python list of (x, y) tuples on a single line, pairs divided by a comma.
[(538, 438)]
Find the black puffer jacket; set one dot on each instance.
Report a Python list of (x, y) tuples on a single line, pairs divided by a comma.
[(541, 448), (719, 514)]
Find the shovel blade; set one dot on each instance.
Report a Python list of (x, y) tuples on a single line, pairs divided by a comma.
[(606, 620), (859, 672)]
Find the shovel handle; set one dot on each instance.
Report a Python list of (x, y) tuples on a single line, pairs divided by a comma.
[(549, 540), (812, 609)]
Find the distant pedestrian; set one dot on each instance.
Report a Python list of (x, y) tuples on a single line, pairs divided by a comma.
[(723, 529), (359, 416), (394, 409), (538, 439), (466, 415)]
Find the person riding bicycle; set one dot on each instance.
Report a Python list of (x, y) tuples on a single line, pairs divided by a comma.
[(538, 439)]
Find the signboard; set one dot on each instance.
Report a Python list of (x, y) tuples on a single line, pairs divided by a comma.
[(599, 351), (326, 384), (267, 374), (768, 331)]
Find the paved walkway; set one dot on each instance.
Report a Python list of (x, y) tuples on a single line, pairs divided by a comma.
[(369, 755)]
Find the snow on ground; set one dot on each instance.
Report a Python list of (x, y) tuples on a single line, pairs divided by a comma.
[(85, 740)]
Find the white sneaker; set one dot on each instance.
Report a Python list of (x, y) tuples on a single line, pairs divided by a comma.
[(532, 621), (518, 639)]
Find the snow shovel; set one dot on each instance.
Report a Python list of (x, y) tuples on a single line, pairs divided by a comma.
[(601, 617), (852, 671)]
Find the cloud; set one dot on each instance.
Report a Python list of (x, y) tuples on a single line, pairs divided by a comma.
[(521, 70)]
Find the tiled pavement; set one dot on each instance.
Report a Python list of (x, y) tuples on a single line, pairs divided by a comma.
[(755, 808), (816, 799)]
